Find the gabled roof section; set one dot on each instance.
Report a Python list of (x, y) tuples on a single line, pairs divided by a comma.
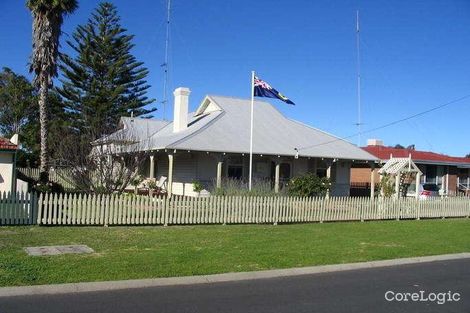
[(142, 126), (133, 129), (398, 165), (207, 106)]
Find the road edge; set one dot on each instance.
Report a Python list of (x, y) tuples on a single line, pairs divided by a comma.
[(216, 278)]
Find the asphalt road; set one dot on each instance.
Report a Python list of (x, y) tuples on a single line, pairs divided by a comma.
[(342, 292)]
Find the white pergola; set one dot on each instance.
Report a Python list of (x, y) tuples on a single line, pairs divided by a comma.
[(396, 167)]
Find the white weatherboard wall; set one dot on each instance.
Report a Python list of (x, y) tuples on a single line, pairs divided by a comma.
[(6, 171), (300, 167), (202, 166), (187, 167), (206, 167)]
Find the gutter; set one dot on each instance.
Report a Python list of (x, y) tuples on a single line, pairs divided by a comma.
[(425, 162)]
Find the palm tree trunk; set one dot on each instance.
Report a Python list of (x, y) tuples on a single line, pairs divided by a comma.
[(43, 167)]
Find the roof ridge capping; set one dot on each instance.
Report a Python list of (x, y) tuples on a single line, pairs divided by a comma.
[(383, 152)]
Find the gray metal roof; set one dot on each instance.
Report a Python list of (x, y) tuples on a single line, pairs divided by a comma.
[(134, 129), (227, 129)]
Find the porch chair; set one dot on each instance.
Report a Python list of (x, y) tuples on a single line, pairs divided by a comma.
[(161, 185)]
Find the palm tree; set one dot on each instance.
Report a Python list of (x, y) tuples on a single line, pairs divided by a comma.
[(48, 16)]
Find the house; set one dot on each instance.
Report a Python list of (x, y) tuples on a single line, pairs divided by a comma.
[(7, 164), (451, 174), (213, 143)]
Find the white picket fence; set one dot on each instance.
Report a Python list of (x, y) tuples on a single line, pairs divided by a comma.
[(66, 209), (59, 176), (18, 209), (73, 209)]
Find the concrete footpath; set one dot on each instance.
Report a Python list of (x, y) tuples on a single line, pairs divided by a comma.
[(216, 278)]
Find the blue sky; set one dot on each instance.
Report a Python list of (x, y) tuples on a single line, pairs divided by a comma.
[(415, 55)]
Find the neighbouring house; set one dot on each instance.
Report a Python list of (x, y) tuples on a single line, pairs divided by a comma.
[(213, 143), (7, 164), (451, 174)]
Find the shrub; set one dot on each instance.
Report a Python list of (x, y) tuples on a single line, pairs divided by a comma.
[(387, 186), (237, 187), (308, 185), (136, 180), (197, 186), (49, 187), (151, 183)]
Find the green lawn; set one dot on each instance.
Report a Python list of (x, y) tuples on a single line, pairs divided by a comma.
[(146, 252)]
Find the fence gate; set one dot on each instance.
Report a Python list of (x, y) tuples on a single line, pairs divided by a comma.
[(18, 208)]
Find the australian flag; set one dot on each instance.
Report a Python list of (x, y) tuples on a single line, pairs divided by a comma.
[(263, 89)]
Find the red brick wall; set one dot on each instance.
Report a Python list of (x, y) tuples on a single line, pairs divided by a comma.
[(452, 184), (362, 175)]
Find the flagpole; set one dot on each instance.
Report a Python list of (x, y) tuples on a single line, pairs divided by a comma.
[(251, 130)]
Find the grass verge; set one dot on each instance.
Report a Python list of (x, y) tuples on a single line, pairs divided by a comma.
[(149, 252)]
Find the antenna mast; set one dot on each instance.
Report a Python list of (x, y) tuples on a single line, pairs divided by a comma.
[(165, 65), (359, 120)]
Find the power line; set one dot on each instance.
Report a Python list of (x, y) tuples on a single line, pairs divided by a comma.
[(391, 123)]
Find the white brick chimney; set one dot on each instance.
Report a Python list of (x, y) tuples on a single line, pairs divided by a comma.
[(180, 111)]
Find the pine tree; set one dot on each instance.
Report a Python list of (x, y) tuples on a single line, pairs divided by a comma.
[(103, 81)]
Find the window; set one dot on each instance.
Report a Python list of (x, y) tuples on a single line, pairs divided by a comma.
[(321, 172), (235, 171), (431, 173), (284, 172), (235, 167), (321, 168)]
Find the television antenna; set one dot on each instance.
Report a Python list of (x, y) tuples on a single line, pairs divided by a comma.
[(165, 64)]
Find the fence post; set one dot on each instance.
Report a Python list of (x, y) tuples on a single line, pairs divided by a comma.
[(396, 202), (39, 209), (361, 208), (442, 208), (322, 208), (468, 212), (165, 211), (225, 210), (276, 209), (418, 209), (109, 200), (34, 207)]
